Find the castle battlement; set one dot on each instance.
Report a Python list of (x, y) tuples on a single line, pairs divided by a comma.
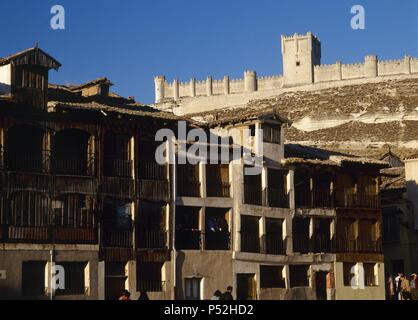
[(301, 66)]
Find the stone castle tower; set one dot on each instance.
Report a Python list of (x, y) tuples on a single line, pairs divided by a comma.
[(301, 53)]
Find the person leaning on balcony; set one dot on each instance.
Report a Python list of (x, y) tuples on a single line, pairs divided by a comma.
[(405, 288)]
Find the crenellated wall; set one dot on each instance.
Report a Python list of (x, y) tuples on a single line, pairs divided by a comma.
[(352, 71), (301, 65), (212, 87), (331, 72)]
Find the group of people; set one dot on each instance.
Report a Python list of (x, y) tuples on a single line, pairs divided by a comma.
[(126, 295), (402, 287), (227, 295)]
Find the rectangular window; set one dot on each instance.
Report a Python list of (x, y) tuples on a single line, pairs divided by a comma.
[(271, 277), (299, 276), (192, 286), (33, 278), (349, 273), (75, 283), (370, 276), (271, 133)]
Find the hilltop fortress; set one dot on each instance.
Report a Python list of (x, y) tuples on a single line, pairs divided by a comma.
[(302, 71)]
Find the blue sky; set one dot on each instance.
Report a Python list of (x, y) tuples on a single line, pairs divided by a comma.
[(132, 41)]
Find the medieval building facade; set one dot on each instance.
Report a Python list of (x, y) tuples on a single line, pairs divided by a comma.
[(81, 189)]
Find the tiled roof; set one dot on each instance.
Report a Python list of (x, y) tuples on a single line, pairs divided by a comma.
[(393, 178), (67, 97), (221, 117)]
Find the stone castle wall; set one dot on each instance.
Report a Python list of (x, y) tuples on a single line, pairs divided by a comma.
[(370, 68)]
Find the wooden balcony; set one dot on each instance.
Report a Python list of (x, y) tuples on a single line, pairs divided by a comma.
[(153, 190), (188, 188), (75, 235), (317, 198), (273, 244), (117, 168), (349, 199), (319, 243), (116, 254), (71, 184), (250, 242), (19, 181), (276, 198), (218, 189), (56, 235), (151, 239), (359, 246), (117, 238), (121, 188), (253, 195)]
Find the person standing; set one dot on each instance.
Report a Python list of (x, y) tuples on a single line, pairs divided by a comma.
[(217, 295), (414, 286), (398, 287), (227, 295), (405, 288), (143, 295), (390, 288)]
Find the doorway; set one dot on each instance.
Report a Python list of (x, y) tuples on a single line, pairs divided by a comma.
[(246, 287), (321, 285)]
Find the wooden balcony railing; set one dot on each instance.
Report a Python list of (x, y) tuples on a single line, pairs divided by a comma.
[(17, 181), (359, 246), (27, 161), (217, 240), (253, 195), (188, 239), (317, 198), (188, 188), (154, 190), (273, 244), (73, 165), (276, 198), (75, 235), (218, 189), (319, 243), (349, 199), (117, 168), (301, 243), (117, 238), (69, 184), (58, 235), (121, 188), (149, 170), (151, 239), (250, 242)]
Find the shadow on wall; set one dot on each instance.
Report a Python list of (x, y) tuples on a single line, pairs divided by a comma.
[(179, 275), (412, 193)]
